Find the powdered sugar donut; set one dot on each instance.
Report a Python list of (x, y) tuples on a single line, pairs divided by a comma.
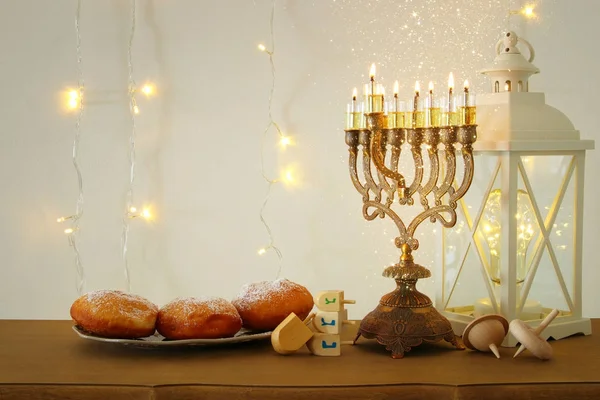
[(264, 305), (198, 318), (115, 314)]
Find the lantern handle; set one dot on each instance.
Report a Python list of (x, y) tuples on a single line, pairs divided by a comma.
[(510, 40)]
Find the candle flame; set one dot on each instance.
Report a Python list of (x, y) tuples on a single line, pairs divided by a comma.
[(396, 88), (354, 94), (451, 81), (417, 87), (430, 86), (372, 72), (466, 84)]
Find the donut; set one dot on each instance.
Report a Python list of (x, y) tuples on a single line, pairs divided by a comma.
[(198, 318), (114, 314), (264, 305)]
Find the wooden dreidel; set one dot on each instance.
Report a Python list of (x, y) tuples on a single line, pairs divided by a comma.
[(325, 344), (331, 300), (291, 334), (539, 329), (331, 321), (486, 333)]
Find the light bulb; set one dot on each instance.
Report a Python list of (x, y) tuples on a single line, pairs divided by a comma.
[(136, 110), (528, 11), (262, 251), (262, 47), (68, 231), (146, 213), (285, 141), (490, 229), (288, 176), (73, 102), (148, 89)]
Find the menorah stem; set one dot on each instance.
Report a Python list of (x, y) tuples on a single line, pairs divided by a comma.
[(375, 123), (433, 177), (353, 158), (370, 182), (467, 135)]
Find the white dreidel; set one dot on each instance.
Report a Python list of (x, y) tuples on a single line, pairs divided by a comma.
[(326, 345), (331, 300), (331, 321)]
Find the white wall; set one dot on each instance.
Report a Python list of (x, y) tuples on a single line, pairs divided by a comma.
[(198, 142)]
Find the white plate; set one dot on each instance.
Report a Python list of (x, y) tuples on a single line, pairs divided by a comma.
[(158, 340)]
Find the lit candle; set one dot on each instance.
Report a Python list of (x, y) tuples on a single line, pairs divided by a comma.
[(450, 89), (450, 120), (416, 104), (430, 105), (372, 79), (396, 89)]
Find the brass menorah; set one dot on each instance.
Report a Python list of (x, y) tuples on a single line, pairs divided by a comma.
[(406, 318)]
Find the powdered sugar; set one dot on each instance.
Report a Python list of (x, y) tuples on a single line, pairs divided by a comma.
[(125, 304), (188, 305), (258, 292), (194, 312)]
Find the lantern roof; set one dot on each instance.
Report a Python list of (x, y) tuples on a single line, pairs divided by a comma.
[(509, 58), (509, 117)]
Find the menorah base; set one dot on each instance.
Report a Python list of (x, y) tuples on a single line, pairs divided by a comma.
[(400, 328)]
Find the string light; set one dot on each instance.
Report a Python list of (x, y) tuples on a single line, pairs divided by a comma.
[(528, 11), (287, 177), (74, 99), (76, 103), (148, 89)]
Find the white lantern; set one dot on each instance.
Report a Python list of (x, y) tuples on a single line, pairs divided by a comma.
[(516, 248)]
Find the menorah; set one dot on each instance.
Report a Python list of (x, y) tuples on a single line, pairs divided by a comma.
[(406, 318)]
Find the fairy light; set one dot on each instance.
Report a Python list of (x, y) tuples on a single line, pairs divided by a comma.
[(527, 11), (74, 99), (148, 89), (284, 141), (76, 103)]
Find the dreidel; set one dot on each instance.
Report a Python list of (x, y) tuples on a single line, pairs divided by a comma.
[(291, 334), (331, 321), (331, 300), (325, 344)]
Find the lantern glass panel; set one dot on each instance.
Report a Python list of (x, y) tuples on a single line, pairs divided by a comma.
[(546, 292), (544, 225)]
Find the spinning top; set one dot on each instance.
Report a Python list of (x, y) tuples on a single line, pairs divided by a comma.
[(539, 329), (486, 333), (291, 334)]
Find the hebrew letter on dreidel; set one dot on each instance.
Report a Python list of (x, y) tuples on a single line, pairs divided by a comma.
[(331, 300), (330, 322), (324, 344), (290, 335)]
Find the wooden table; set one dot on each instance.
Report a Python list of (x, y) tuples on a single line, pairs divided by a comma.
[(47, 360)]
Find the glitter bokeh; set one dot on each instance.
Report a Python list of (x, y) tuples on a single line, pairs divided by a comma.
[(425, 40)]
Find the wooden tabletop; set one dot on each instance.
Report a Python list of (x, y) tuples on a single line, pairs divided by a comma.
[(47, 360)]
